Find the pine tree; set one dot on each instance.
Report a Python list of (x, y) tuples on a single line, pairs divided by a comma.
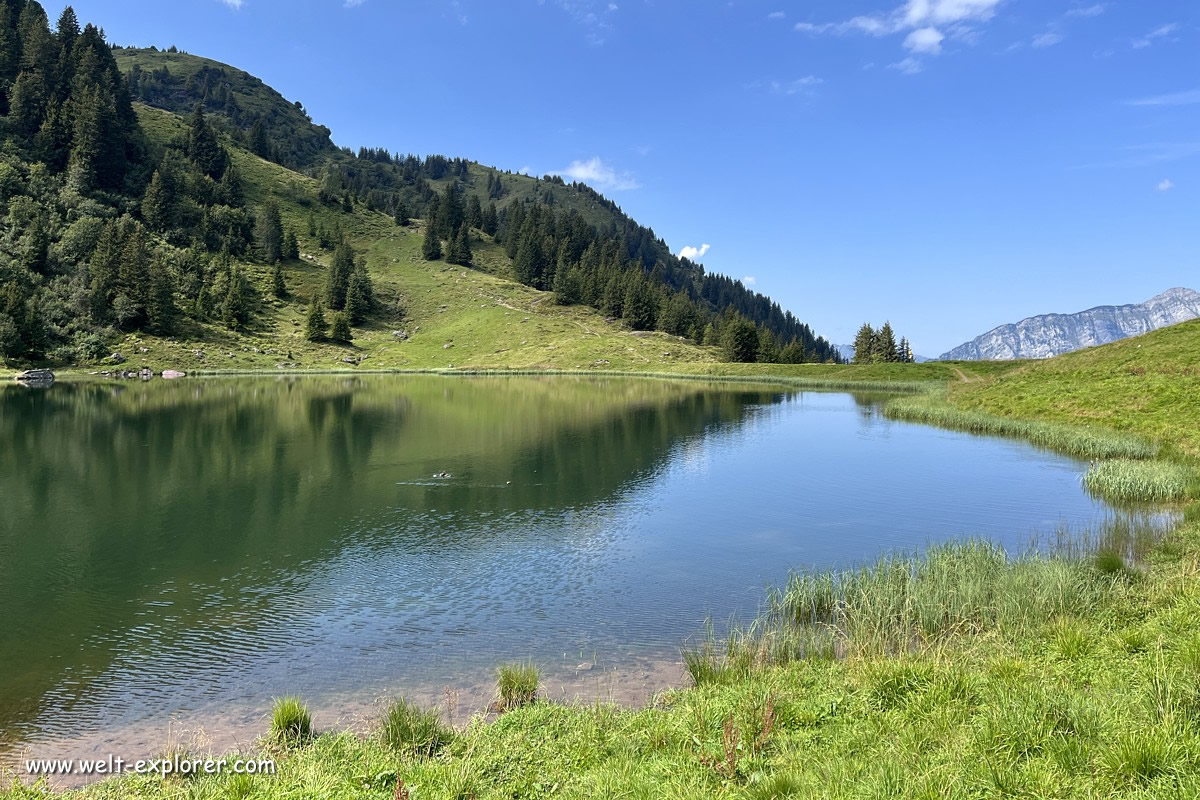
[(864, 345), (235, 309), (639, 307), (401, 214), (460, 247), (358, 303), (566, 285), (315, 326), (904, 353), (278, 283), (739, 340), (885, 344), (203, 148), (259, 144), (768, 348), (431, 250), (157, 204), (161, 312), (268, 231), (491, 220), (291, 245), (338, 279), (475, 212), (341, 328)]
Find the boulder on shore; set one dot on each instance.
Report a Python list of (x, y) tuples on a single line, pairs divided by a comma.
[(36, 376), (171, 374)]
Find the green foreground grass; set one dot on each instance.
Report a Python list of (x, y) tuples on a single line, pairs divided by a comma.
[(968, 672)]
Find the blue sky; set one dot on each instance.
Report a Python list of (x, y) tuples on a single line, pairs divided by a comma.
[(949, 165)]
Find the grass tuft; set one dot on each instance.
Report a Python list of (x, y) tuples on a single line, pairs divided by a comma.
[(412, 730), (517, 684), (1128, 481), (291, 722)]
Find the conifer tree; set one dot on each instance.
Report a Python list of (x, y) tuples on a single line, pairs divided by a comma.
[(278, 282), (338, 279), (291, 245), (235, 309), (157, 204), (431, 249), (474, 216), (401, 213), (639, 307), (739, 340), (341, 328), (161, 312), (268, 231), (491, 220), (259, 144), (885, 344), (460, 247), (203, 148), (315, 326), (864, 345)]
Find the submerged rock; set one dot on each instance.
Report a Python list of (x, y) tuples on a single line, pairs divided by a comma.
[(171, 374)]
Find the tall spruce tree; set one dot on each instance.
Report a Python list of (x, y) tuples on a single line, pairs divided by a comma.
[(865, 345)]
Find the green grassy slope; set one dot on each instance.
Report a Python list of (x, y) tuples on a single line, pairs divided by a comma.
[(1148, 385), (487, 319)]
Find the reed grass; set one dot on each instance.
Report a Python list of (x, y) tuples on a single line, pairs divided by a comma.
[(1128, 481), (291, 722), (517, 684), (931, 408)]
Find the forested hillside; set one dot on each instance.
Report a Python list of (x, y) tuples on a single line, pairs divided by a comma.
[(234, 222)]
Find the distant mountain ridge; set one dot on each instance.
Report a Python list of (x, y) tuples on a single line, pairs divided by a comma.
[(1050, 335)]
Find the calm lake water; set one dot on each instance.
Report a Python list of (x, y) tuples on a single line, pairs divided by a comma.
[(188, 550)]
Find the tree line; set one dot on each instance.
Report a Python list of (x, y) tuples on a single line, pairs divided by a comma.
[(879, 346)]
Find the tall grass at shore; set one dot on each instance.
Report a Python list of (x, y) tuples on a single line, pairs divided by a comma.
[(409, 729), (905, 604), (1129, 481), (517, 684), (931, 408), (291, 722)]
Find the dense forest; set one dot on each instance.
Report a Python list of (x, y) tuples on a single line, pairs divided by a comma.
[(104, 231)]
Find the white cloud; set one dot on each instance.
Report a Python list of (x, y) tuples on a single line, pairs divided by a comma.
[(1157, 33), (592, 14), (806, 85), (749, 280), (1176, 99), (525, 170), (693, 253), (908, 66), (777, 15), (355, 3), (234, 4), (599, 175), (1088, 11), (1047, 39), (927, 23), (925, 40), (1166, 185)]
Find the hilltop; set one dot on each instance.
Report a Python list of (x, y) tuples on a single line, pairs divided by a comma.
[(199, 231)]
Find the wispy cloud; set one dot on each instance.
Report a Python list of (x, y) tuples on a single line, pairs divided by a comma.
[(927, 23), (777, 15), (806, 86), (353, 3), (236, 5), (749, 280), (908, 66), (599, 175), (1088, 11), (1166, 185), (1176, 99), (1147, 155), (693, 253), (595, 15), (1048, 39), (1160, 32)]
